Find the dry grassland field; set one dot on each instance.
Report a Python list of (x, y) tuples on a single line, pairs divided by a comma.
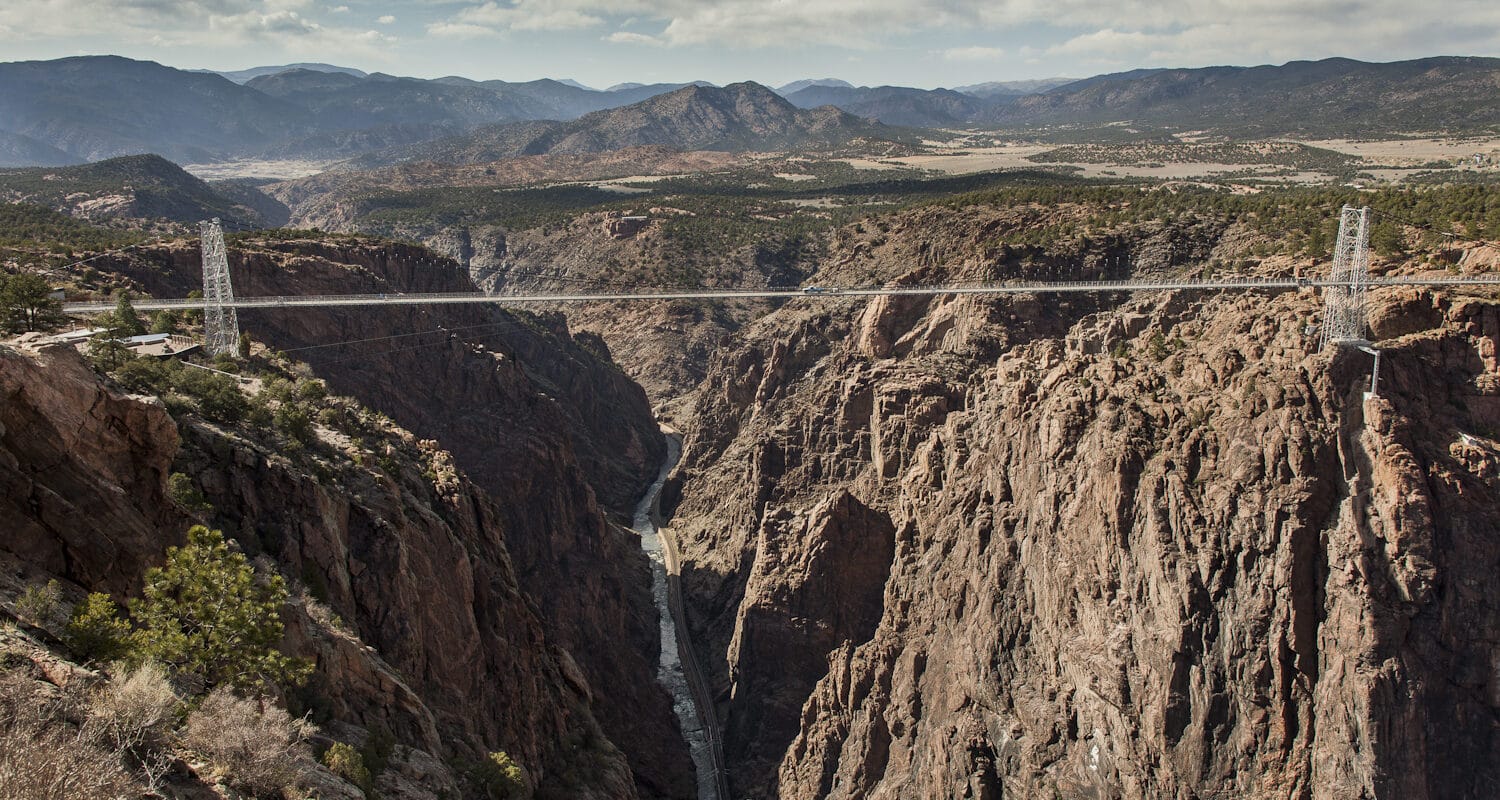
[(1386, 160), (281, 170)]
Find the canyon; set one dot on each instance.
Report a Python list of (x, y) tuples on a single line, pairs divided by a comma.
[(1098, 546)]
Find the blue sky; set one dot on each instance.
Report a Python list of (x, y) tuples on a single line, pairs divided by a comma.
[(923, 43)]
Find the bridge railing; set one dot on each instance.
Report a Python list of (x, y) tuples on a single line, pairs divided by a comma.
[(990, 287)]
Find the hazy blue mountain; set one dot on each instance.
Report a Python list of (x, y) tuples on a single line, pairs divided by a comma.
[(895, 105), (797, 86), (996, 89), (560, 100), (563, 101), (94, 107), (23, 151), (1336, 96), (638, 92), (246, 75), (348, 102)]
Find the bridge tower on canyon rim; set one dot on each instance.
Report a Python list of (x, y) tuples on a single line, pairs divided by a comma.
[(1344, 301), (221, 322)]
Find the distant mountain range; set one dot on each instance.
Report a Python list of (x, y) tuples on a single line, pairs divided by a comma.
[(1332, 97), (247, 75), (23, 151), (96, 107), (1335, 96), (89, 108), (738, 117), (896, 105), (797, 86), (994, 89)]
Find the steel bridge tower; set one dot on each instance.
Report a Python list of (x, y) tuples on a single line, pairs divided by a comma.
[(1344, 302), (221, 322)]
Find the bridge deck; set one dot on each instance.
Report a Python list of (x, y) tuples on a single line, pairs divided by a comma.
[(1142, 285)]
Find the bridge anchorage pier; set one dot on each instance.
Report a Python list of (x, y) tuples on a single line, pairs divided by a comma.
[(221, 320)]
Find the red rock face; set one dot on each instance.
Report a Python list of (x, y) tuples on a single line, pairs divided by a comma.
[(83, 472), (1154, 549)]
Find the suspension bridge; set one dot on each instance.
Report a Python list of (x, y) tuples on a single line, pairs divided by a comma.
[(1344, 290)]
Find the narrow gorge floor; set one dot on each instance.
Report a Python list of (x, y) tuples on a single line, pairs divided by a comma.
[(671, 672)]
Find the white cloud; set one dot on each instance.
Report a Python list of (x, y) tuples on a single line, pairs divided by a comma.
[(1242, 30), (522, 15), (1075, 35), (626, 37), (973, 54), (288, 27), (1109, 43), (458, 30)]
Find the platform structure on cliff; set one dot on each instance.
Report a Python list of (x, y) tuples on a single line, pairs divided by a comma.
[(221, 320), (1344, 299)]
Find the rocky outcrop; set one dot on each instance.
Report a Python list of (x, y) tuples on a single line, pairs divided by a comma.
[(83, 471), (1149, 548)]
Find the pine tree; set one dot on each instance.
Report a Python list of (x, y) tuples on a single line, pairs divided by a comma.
[(126, 322), (26, 303), (206, 614)]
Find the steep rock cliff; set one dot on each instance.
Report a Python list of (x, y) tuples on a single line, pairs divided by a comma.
[(539, 419), (1158, 547), (454, 674)]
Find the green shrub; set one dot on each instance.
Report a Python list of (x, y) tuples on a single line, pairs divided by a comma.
[(377, 750), (1156, 346), (208, 615), (108, 355), (182, 490), (252, 743), (218, 396), (26, 303), (313, 391), (347, 763), (145, 375), (500, 777), (125, 321), (294, 422), (258, 413), (96, 632), (164, 321), (41, 604)]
